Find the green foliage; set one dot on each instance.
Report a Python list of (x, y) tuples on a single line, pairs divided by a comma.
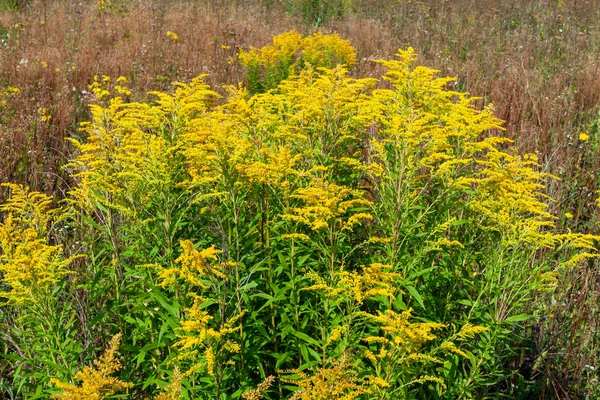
[(13, 5), (113, 6), (318, 12), (332, 237)]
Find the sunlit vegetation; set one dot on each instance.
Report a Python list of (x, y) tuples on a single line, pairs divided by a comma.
[(332, 237), (319, 230)]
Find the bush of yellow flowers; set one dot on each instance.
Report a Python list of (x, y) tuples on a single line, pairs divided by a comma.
[(329, 238)]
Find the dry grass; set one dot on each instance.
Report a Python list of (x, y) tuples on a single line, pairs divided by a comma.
[(536, 61)]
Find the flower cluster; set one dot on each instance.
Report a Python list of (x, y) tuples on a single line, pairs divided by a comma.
[(290, 53), (30, 266), (96, 382)]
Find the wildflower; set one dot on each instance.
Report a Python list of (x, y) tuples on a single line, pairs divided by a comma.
[(400, 331), (375, 239), (325, 204), (121, 86), (257, 394), (28, 264), (96, 382), (330, 50), (100, 87), (299, 236), (568, 215), (584, 137), (335, 334), (450, 347), (172, 35), (195, 264), (173, 390), (429, 378), (338, 381), (290, 52), (43, 113), (469, 331), (377, 381), (210, 361), (232, 347), (44, 64)]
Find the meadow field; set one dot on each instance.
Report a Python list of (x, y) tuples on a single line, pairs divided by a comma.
[(311, 199)]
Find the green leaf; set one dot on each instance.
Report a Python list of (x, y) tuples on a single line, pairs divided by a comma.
[(517, 318), (416, 295), (306, 338)]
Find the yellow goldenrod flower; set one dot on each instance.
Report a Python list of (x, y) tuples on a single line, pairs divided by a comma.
[(335, 334), (257, 394), (291, 52), (338, 381), (377, 381), (316, 160), (96, 382), (210, 361), (325, 204), (43, 113), (29, 265), (469, 331), (172, 35), (173, 390)]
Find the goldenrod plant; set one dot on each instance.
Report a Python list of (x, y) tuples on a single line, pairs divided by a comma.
[(33, 271), (96, 382), (290, 53), (173, 390), (333, 237), (30, 266)]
